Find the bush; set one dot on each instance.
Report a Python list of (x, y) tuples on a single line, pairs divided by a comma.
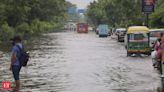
[(47, 27), (36, 26), (24, 30), (42, 26), (6, 32), (157, 18)]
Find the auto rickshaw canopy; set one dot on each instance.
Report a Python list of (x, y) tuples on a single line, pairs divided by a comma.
[(138, 29)]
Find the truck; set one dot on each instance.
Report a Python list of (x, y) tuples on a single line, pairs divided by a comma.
[(103, 30)]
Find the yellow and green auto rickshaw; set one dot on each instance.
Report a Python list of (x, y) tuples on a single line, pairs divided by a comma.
[(137, 40)]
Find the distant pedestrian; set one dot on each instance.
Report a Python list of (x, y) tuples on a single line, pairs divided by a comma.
[(15, 66)]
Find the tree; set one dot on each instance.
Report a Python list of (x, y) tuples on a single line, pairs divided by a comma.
[(116, 12), (157, 18), (32, 16)]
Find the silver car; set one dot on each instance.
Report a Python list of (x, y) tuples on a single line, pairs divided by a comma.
[(154, 35), (121, 34)]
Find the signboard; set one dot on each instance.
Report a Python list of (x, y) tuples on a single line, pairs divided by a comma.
[(148, 6)]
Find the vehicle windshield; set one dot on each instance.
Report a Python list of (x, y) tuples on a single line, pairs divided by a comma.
[(155, 34), (82, 25), (142, 36), (122, 30)]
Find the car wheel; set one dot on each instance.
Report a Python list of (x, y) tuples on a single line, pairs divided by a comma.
[(118, 39)]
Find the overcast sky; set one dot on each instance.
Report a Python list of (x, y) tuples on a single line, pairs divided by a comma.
[(81, 3)]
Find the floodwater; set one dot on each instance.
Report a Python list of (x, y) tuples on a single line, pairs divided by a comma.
[(71, 62)]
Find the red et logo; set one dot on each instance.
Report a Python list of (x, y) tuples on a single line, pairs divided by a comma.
[(6, 85)]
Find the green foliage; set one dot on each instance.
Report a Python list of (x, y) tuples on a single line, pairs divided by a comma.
[(42, 26), (6, 32), (72, 16), (23, 29), (123, 13), (157, 18), (35, 26), (30, 17)]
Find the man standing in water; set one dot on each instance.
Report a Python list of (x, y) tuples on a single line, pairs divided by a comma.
[(15, 66)]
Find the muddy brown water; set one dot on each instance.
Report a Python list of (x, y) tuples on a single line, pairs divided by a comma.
[(71, 62)]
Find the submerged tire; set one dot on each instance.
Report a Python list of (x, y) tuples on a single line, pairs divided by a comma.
[(128, 54), (118, 39), (149, 54)]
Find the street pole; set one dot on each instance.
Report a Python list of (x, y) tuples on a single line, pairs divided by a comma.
[(162, 62), (147, 19)]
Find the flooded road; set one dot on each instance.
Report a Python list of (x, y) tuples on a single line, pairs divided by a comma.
[(71, 62)]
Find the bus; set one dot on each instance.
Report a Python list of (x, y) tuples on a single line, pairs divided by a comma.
[(82, 27)]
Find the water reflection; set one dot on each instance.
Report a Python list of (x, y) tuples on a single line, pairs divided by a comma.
[(71, 62)]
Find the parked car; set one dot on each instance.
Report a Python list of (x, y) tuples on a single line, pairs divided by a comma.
[(154, 35), (121, 34)]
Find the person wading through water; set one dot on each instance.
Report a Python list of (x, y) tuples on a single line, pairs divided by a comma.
[(15, 66)]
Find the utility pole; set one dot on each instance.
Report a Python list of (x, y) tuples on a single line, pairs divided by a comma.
[(147, 19), (148, 8), (162, 64)]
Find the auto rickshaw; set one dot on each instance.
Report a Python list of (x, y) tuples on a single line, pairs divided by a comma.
[(137, 40)]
